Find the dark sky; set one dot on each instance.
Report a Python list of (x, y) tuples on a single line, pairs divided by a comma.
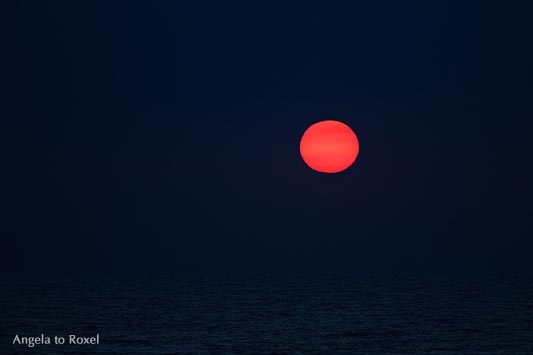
[(155, 134)]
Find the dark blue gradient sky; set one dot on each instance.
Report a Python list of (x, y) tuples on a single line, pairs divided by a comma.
[(154, 134)]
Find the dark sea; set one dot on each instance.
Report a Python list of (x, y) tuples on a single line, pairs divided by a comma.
[(271, 314)]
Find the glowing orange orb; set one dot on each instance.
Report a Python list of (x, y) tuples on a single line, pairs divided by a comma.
[(329, 146)]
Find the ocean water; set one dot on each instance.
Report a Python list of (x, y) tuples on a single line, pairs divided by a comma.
[(267, 314)]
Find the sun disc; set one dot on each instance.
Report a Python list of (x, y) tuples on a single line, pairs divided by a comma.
[(329, 146)]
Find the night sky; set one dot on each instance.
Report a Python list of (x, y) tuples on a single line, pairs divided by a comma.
[(154, 135)]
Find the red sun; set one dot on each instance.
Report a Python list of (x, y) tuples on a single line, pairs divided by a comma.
[(329, 146)]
